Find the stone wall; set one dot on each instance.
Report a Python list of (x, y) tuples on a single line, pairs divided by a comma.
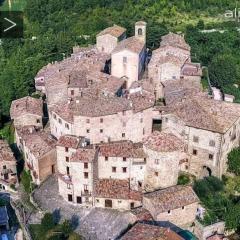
[(28, 120), (106, 43)]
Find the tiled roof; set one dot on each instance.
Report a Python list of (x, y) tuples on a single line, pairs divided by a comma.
[(64, 111), (38, 142), (172, 198), (205, 113), (132, 44), (126, 149), (216, 237), (143, 231), (26, 105), (69, 141), (94, 106), (6, 153), (115, 31), (142, 214), (116, 189), (78, 79), (84, 155), (174, 40), (163, 142)]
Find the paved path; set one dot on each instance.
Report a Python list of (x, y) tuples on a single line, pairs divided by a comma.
[(93, 223)]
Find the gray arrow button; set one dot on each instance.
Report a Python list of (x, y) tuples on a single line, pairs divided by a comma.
[(12, 26)]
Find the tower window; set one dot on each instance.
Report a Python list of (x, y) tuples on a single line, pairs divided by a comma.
[(140, 32)]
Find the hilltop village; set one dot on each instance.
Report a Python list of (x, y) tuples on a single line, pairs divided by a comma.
[(122, 125)]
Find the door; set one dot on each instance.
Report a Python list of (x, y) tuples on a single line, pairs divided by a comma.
[(79, 200), (53, 169), (108, 203), (68, 171), (70, 198)]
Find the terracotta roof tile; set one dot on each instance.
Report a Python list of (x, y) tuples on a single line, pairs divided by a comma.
[(143, 231), (26, 105), (115, 31), (172, 198), (116, 189), (163, 142), (174, 40), (84, 155)]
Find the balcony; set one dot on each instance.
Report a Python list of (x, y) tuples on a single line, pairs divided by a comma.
[(86, 193)]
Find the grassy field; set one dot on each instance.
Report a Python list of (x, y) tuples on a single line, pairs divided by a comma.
[(13, 5)]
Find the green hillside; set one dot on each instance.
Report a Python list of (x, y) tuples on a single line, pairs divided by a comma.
[(13, 5)]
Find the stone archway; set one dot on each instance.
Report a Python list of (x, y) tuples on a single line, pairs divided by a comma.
[(206, 172)]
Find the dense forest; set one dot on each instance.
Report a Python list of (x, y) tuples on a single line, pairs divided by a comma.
[(52, 29)]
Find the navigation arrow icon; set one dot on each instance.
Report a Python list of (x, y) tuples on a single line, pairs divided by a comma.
[(13, 24)]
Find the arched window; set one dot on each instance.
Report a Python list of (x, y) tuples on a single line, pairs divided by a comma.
[(140, 32)]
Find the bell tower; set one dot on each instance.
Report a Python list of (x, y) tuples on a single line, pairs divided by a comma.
[(141, 30)]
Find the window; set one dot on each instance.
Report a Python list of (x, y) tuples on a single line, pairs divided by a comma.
[(66, 126), (87, 120), (183, 207), (101, 130), (114, 169), (97, 200), (72, 92), (140, 32), (60, 121), (123, 135), (119, 201), (169, 211), (132, 205), (4, 167), (38, 120), (145, 160), (85, 165), (67, 159), (194, 152), (212, 143), (156, 174), (124, 59), (88, 130), (68, 186), (124, 169), (68, 171), (85, 174), (210, 156), (106, 158), (70, 198), (124, 159), (101, 120), (143, 131), (156, 161), (79, 199), (85, 186), (195, 139), (66, 149)]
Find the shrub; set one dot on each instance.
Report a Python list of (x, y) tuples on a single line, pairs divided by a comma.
[(26, 180), (183, 179), (234, 161), (47, 222)]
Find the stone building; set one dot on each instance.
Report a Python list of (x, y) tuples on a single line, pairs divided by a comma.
[(164, 151), (171, 62), (75, 169), (122, 160), (128, 58), (39, 152), (8, 171), (109, 38), (210, 129), (117, 194), (105, 118), (145, 231), (27, 111), (177, 204)]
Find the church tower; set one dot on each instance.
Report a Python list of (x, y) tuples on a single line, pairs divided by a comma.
[(141, 30)]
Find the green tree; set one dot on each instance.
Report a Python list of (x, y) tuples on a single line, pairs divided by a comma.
[(234, 161), (47, 222)]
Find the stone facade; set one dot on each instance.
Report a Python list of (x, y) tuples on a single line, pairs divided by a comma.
[(8, 171)]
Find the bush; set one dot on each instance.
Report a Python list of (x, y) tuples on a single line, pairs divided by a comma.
[(234, 161), (26, 180), (183, 179), (47, 222)]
